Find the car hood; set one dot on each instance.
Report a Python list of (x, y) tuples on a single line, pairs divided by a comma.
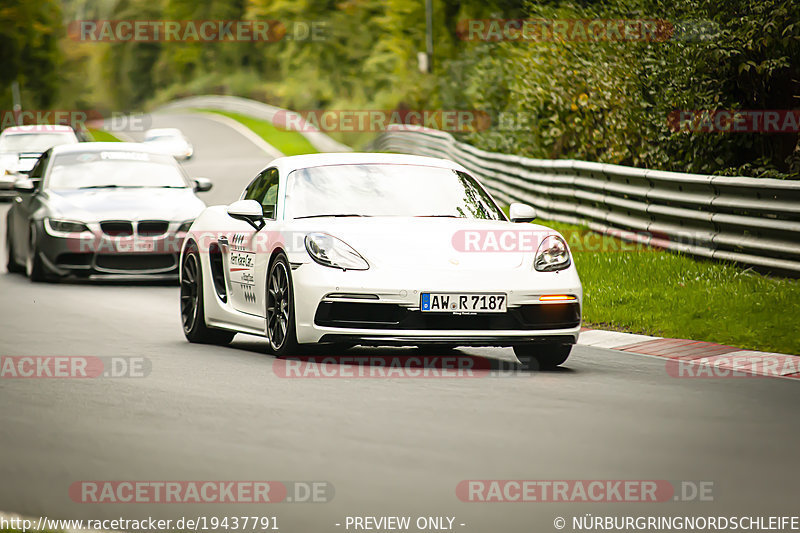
[(94, 205), (435, 243)]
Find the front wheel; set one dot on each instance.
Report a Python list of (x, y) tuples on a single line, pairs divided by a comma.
[(281, 332), (542, 356), (34, 266), (193, 314), (11, 261)]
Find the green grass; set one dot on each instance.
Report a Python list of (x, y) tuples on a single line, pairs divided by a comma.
[(645, 290), (102, 135), (288, 142)]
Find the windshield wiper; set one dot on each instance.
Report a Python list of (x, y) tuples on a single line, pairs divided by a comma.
[(332, 215)]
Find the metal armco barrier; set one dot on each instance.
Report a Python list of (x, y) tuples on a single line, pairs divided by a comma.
[(751, 221)]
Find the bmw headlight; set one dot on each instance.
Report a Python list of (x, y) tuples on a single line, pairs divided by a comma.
[(64, 228), (183, 228), (552, 255), (329, 251)]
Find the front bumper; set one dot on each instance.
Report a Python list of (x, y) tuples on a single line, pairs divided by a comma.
[(397, 319), (97, 255)]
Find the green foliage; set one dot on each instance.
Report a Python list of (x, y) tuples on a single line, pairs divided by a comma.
[(287, 142), (697, 299), (29, 37), (610, 101), (606, 101)]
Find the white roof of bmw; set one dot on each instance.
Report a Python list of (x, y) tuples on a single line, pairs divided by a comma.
[(105, 147), (38, 128)]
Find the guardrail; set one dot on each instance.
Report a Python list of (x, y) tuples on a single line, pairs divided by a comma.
[(751, 221), (255, 109)]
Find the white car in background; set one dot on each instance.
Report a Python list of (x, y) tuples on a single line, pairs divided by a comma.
[(169, 141), (21, 146), (369, 249)]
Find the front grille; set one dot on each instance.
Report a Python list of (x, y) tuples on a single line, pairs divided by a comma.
[(152, 228), (117, 228), (134, 262), (391, 316)]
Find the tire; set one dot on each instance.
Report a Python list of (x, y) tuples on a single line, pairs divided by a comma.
[(542, 356), (193, 317), (279, 301), (11, 263), (34, 267)]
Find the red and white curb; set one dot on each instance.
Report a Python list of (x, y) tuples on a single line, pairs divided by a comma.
[(697, 359)]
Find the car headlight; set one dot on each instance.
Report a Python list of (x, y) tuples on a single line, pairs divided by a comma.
[(552, 255), (329, 251), (64, 228), (183, 228)]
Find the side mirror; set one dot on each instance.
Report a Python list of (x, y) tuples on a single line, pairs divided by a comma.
[(24, 185), (248, 210), (521, 213), (202, 184)]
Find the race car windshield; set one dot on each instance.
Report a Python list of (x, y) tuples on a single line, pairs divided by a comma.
[(115, 169), (387, 190), (33, 142)]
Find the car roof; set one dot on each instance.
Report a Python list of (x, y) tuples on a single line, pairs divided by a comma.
[(38, 128), (105, 147), (289, 163), (162, 131)]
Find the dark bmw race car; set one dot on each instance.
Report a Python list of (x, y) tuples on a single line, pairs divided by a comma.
[(101, 209)]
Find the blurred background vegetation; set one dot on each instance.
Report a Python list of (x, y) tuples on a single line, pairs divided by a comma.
[(605, 102)]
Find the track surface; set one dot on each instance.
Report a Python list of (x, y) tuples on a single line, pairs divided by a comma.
[(388, 446)]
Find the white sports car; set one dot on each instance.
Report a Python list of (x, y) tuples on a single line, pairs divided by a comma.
[(378, 249)]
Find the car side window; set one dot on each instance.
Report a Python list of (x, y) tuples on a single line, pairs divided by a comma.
[(37, 172), (264, 190)]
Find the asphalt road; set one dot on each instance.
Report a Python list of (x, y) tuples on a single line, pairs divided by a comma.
[(387, 446)]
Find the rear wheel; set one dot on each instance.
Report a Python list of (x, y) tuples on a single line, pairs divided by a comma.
[(542, 356), (11, 262), (192, 306), (280, 309)]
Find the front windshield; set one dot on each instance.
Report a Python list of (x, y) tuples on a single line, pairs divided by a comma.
[(387, 190), (33, 142), (115, 169)]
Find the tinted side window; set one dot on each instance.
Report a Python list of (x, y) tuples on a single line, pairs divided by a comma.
[(37, 172), (264, 190)]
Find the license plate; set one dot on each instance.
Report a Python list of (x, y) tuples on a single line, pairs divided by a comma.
[(441, 302), (135, 246)]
